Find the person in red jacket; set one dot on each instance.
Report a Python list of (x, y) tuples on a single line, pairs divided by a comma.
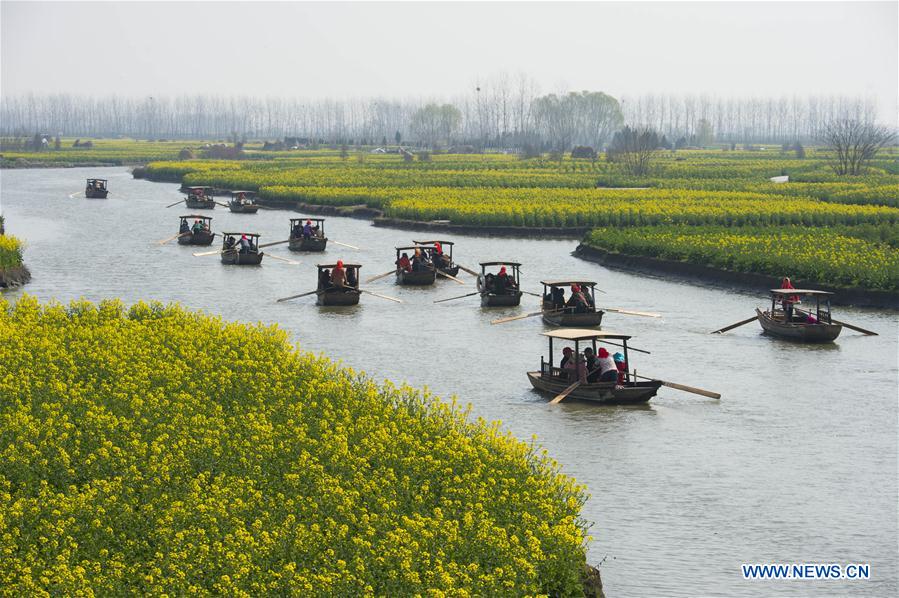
[(788, 300)]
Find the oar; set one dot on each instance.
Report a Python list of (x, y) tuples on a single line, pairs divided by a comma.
[(164, 241), (453, 278), (212, 252), (532, 294), (343, 244), (380, 276), (685, 388), (378, 295), (628, 312), (737, 325), (459, 297), (316, 292), (530, 315), (224, 205), (175, 204), (565, 393), (849, 326), (629, 347), (273, 243), (464, 269), (275, 257)]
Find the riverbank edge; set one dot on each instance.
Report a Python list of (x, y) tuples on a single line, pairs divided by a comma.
[(14, 277), (17, 164), (747, 281)]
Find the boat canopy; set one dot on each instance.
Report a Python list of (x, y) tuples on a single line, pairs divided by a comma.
[(307, 218), (192, 187), (579, 334), (93, 180), (196, 216), (516, 264), (332, 266), (432, 242), (799, 292), (412, 248), (247, 234), (563, 283)]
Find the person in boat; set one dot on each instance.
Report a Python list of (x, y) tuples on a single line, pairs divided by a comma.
[(810, 319), (592, 365), (622, 367), (566, 357), (577, 302), (440, 260), (198, 226), (324, 279), (307, 230), (352, 280), (504, 282), (418, 261), (245, 245), (403, 263), (574, 368), (558, 297), (241, 198), (229, 242), (184, 227), (787, 301), (338, 275), (608, 371), (297, 231)]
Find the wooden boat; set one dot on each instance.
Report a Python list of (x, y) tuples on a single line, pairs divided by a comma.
[(96, 189), (200, 198), (243, 202), (434, 248), (317, 242), (796, 325), (231, 253), (329, 295), (553, 380), (556, 313), (426, 276), (493, 297), (189, 236)]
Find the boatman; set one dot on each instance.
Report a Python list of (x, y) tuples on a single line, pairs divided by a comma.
[(307, 230), (338, 275), (244, 244)]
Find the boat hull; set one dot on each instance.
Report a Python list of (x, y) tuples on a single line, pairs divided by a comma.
[(236, 258), (508, 300), (242, 208), (606, 393), (199, 238), (799, 332), (308, 244), (420, 278), (452, 271), (200, 204), (590, 319), (338, 297), (96, 193)]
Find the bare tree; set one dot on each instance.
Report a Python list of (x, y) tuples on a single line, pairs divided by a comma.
[(854, 144), (634, 149)]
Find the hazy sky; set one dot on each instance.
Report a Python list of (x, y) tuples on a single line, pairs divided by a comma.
[(440, 49)]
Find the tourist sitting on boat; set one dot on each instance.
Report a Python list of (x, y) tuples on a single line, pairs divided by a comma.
[(229, 241), (297, 231), (198, 226), (574, 367), (351, 280), (592, 365), (810, 319), (403, 263), (788, 300), (338, 275), (307, 229), (566, 357), (241, 197), (503, 282), (577, 301), (184, 227), (607, 368), (324, 281), (558, 297), (622, 367)]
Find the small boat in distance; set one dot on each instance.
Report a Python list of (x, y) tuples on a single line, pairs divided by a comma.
[(553, 380), (438, 248), (241, 254), (556, 311), (191, 234), (424, 276), (315, 241), (327, 294), (785, 320), (493, 294), (96, 189), (200, 198), (243, 202)]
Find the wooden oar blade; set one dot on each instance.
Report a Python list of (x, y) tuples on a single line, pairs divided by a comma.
[(464, 269), (206, 253), (380, 276), (174, 204), (295, 296), (693, 389), (381, 296), (628, 312), (737, 325), (459, 297), (565, 393), (274, 243), (343, 244), (856, 328), (275, 257), (504, 320), (453, 278)]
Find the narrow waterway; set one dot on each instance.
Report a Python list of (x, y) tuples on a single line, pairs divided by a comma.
[(796, 463)]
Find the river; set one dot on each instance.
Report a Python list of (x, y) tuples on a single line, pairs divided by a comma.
[(796, 463)]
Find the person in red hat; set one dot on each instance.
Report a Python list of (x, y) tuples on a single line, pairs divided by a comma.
[(307, 229), (608, 371), (788, 300), (577, 301), (504, 282), (338, 275)]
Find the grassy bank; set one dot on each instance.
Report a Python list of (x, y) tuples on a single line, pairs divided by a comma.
[(154, 450)]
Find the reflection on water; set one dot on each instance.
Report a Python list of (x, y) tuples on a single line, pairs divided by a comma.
[(797, 462)]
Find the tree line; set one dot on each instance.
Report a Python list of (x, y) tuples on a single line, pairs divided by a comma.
[(504, 114)]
